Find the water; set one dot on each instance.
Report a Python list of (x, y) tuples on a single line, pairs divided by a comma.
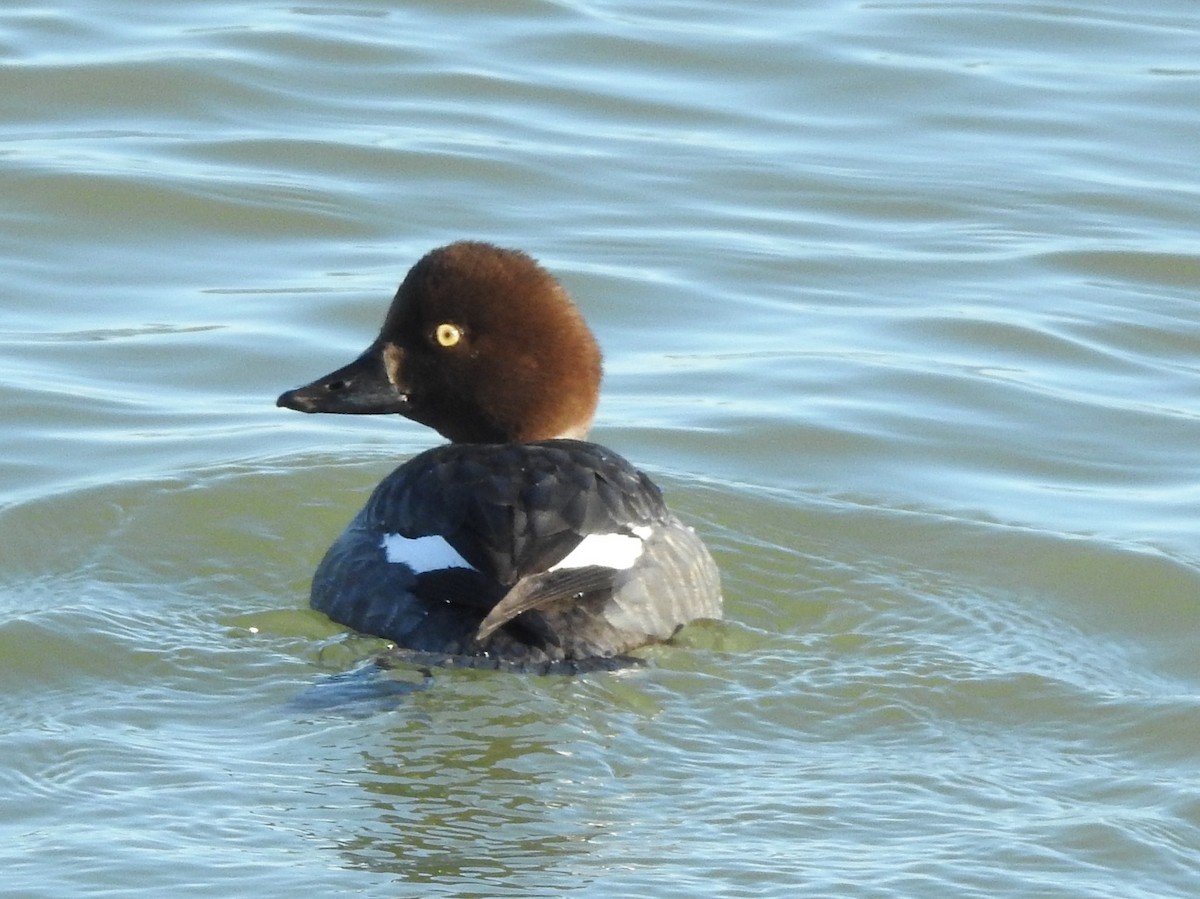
[(899, 304)]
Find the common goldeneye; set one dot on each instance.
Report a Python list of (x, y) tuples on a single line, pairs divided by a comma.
[(518, 544)]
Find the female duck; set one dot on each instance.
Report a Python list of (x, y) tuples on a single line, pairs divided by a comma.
[(517, 544)]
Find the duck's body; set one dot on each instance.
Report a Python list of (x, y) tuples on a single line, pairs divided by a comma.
[(515, 543)]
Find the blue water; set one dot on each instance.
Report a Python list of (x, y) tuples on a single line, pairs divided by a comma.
[(898, 303)]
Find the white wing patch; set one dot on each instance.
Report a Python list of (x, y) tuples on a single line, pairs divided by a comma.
[(422, 554), (606, 550)]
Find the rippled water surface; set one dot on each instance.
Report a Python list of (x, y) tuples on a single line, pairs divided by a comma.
[(899, 303)]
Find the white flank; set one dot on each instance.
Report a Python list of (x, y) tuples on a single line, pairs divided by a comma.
[(422, 554), (606, 550)]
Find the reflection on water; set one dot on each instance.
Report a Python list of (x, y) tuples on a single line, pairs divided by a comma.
[(479, 798)]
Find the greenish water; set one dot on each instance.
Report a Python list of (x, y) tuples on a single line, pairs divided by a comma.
[(899, 304)]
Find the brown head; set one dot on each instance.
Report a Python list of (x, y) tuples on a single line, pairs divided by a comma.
[(481, 344)]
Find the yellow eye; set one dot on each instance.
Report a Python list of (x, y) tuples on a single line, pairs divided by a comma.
[(447, 334)]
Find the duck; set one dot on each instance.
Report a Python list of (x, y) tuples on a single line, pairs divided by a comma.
[(518, 544)]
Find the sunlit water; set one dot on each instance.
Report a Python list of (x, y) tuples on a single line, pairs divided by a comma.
[(899, 304)]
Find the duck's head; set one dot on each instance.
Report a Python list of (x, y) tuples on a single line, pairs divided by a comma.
[(481, 344)]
